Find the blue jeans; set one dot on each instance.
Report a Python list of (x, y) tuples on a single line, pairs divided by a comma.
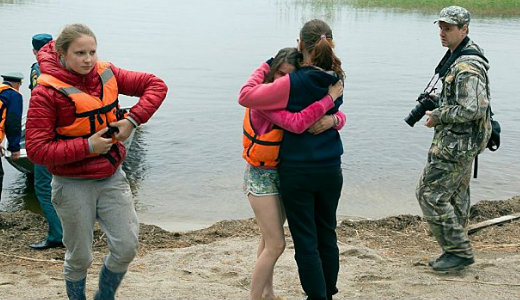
[(42, 188)]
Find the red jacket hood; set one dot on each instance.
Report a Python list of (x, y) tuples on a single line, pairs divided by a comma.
[(49, 61)]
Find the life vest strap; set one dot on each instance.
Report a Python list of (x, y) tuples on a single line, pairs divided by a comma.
[(110, 158), (260, 142), (68, 137), (98, 111)]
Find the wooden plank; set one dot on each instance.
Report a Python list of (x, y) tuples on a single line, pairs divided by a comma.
[(475, 227)]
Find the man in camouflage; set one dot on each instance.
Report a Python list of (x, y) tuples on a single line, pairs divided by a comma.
[(462, 130)]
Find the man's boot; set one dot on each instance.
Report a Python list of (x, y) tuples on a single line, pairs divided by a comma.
[(76, 289), (432, 261), (452, 262), (108, 283)]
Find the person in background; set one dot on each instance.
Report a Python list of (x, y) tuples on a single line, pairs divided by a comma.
[(462, 130), (11, 107), (70, 114), (38, 40), (42, 176), (263, 131), (310, 164)]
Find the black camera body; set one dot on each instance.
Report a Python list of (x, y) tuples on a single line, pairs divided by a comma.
[(426, 102)]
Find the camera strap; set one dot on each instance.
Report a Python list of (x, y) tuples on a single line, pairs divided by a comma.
[(449, 58)]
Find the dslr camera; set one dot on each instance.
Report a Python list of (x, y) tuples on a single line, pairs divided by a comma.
[(426, 102)]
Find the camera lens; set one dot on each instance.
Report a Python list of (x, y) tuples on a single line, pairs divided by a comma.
[(415, 114)]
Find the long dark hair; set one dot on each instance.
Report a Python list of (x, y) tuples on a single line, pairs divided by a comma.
[(286, 55), (316, 37)]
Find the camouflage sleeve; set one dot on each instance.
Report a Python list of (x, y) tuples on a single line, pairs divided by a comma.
[(470, 97)]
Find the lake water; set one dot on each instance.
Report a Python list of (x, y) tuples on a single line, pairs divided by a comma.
[(186, 167)]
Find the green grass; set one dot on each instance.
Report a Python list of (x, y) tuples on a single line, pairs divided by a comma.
[(476, 7)]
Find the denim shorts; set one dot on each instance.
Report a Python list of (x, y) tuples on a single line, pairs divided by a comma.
[(261, 182)]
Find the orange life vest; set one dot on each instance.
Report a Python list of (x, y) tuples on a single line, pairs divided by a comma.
[(92, 113), (260, 150), (3, 111)]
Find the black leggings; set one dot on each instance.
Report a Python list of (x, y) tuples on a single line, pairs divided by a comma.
[(310, 197)]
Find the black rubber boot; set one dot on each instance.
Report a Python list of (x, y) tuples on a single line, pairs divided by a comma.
[(76, 289), (108, 284)]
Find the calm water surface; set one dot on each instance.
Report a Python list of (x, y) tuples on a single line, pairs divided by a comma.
[(186, 166)]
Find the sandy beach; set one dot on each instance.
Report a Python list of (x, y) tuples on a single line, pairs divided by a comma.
[(380, 259)]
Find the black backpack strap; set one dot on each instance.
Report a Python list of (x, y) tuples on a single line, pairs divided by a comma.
[(473, 52)]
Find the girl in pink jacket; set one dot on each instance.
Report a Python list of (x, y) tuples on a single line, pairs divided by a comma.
[(261, 183)]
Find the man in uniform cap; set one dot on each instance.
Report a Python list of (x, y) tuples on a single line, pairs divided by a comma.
[(42, 177), (38, 41), (461, 131), (11, 105)]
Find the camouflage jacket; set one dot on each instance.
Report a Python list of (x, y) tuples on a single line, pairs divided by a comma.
[(462, 121)]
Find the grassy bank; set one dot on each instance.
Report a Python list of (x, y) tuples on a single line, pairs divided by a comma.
[(476, 7)]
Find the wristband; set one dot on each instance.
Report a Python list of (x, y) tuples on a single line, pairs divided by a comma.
[(336, 120)]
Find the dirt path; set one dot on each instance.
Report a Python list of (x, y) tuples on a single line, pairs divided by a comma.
[(380, 259)]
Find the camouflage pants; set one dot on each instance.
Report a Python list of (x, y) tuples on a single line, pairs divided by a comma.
[(443, 194)]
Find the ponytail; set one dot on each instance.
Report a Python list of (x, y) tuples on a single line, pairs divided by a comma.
[(323, 56), (317, 42)]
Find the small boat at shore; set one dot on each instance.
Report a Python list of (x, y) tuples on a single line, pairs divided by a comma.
[(24, 165)]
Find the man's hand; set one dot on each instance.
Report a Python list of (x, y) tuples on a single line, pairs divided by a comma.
[(15, 155), (429, 122)]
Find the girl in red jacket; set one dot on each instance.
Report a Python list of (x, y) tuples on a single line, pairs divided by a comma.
[(67, 130), (263, 132)]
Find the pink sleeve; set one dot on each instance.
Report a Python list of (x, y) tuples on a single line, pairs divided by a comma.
[(342, 118), (268, 96), (298, 122)]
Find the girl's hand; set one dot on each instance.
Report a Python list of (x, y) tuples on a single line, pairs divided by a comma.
[(98, 143), (336, 90), (324, 123), (125, 129)]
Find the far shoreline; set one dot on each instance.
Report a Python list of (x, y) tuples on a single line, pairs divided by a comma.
[(478, 8)]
